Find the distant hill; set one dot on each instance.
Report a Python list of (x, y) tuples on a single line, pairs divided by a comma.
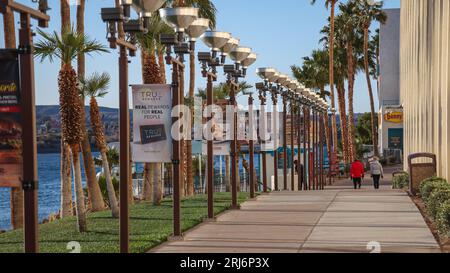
[(48, 121), (108, 114)]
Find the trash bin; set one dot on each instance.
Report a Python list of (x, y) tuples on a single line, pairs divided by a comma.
[(420, 171)]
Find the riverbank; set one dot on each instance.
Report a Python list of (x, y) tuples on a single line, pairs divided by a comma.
[(149, 226)]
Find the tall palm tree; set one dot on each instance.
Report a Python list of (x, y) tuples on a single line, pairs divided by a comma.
[(314, 74), (94, 193), (350, 37), (331, 48), (367, 12), (96, 87), (16, 203), (66, 48), (66, 169), (340, 76)]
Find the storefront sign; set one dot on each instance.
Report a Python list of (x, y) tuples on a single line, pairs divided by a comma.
[(152, 123), (10, 120), (394, 116)]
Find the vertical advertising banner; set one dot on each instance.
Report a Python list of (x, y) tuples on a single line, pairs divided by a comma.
[(10, 120), (152, 121)]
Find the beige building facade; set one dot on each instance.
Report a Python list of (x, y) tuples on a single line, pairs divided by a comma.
[(425, 79)]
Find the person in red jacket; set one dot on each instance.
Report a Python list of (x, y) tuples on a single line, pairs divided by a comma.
[(357, 173)]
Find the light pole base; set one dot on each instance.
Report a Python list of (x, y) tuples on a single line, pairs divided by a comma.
[(175, 238), (210, 220)]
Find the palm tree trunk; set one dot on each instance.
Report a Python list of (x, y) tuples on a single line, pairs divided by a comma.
[(369, 85), (79, 194), (331, 67), (227, 173), (16, 193), (66, 181), (65, 14), (189, 169), (351, 82), (66, 170), (162, 65), (147, 190), (109, 185), (343, 119), (157, 182), (94, 192), (151, 74)]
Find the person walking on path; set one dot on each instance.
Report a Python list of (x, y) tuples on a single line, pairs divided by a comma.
[(376, 172), (357, 173)]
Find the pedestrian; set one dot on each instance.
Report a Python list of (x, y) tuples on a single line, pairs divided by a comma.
[(376, 172), (357, 173)]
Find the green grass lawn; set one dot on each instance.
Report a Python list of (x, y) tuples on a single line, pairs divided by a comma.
[(149, 226)]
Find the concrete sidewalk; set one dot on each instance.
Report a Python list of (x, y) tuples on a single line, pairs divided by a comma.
[(338, 219)]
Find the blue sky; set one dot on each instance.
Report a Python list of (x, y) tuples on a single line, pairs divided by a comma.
[(281, 32)]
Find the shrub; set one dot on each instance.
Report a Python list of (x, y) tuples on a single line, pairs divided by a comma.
[(400, 181), (428, 185), (383, 161), (437, 198), (443, 218)]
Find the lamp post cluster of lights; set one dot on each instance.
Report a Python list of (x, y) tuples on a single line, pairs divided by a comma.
[(314, 108), (227, 46)]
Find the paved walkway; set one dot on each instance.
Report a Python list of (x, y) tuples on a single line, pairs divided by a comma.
[(338, 219)]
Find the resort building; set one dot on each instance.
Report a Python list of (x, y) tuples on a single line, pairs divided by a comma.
[(425, 79), (390, 114)]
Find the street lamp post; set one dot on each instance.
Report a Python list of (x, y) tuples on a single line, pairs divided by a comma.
[(262, 99), (292, 86), (214, 40), (299, 140), (251, 59), (179, 19), (234, 72), (29, 150), (271, 83)]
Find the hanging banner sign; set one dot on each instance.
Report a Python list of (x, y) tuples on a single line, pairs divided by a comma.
[(10, 120), (152, 121)]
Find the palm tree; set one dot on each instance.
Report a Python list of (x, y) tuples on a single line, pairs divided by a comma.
[(16, 193), (96, 87), (349, 36), (331, 48), (314, 74), (367, 12), (66, 169), (94, 192), (340, 76), (66, 48)]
